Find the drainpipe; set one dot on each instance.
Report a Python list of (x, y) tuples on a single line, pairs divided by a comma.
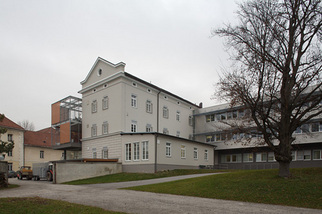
[(156, 134), (158, 110), (156, 153), (23, 149)]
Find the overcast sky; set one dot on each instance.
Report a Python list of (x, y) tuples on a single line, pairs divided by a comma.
[(48, 47)]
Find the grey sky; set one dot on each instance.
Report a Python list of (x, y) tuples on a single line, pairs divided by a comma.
[(48, 47)]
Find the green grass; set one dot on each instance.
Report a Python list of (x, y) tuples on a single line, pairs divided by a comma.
[(44, 206), (121, 177), (304, 189), (9, 187)]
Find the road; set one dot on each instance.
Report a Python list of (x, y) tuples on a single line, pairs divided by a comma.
[(108, 197)]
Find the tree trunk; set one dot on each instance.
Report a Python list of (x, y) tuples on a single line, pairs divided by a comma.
[(284, 169)]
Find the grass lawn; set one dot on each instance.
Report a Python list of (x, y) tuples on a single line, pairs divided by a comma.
[(120, 177), (304, 189), (44, 206), (9, 187)]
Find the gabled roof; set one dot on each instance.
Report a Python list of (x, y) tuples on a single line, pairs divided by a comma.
[(7, 123), (105, 61), (41, 138)]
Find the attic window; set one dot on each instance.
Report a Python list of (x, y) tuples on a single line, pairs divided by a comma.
[(105, 86), (99, 72), (149, 90), (134, 84)]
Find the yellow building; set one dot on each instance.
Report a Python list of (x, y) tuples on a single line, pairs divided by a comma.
[(38, 148), (15, 133), (29, 146)]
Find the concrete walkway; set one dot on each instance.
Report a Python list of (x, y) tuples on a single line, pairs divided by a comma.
[(108, 197)]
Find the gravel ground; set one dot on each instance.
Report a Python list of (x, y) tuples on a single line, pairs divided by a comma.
[(108, 197)]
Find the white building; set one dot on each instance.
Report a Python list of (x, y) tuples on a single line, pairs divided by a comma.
[(147, 128), (150, 129)]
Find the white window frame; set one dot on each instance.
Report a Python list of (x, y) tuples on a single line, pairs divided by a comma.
[(134, 100), (178, 134), (195, 153), (305, 128), (236, 158), (168, 149), (94, 130), (293, 154), (148, 128), (105, 128), (134, 126), (10, 166), (248, 157), (105, 153), (94, 153), (206, 155), (165, 113), (319, 127), (42, 154), (303, 155), (10, 137), (178, 116), (165, 131), (94, 106), (136, 151), (190, 120), (229, 115), (231, 158), (105, 103), (317, 152), (210, 138), (261, 157), (149, 106), (183, 151), (10, 153), (271, 157), (145, 150), (128, 152), (223, 116)]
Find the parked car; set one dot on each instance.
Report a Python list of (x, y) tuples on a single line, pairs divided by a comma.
[(12, 174)]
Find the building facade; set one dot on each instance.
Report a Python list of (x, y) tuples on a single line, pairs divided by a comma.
[(245, 150), (29, 146), (38, 148), (15, 133), (150, 129), (130, 119)]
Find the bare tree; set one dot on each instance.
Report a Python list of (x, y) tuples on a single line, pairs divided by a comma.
[(27, 125), (276, 50)]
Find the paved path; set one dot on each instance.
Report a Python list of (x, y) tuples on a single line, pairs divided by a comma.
[(108, 197)]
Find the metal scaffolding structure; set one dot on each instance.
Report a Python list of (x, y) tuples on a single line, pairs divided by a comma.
[(67, 124)]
